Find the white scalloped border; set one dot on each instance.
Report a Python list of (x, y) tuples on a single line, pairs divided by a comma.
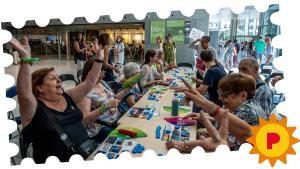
[(222, 157)]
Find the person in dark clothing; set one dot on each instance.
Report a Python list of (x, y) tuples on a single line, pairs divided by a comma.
[(215, 72), (80, 51), (109, 74), (41, 96)]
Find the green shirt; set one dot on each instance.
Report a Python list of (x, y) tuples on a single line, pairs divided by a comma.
[(259, 45)]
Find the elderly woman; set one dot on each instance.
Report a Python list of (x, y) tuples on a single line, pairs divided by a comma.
[(130, 95), (236, 91), (147, 70), (44, 105)]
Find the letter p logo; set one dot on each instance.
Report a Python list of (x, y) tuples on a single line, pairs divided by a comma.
[(272, 138)]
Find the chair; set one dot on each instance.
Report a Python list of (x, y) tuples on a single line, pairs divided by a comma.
[(11, 93), (79, 74), (185, 65), (25, 141), (68, 77)]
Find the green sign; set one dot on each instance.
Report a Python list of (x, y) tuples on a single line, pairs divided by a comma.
[(176, 29), (157, 28)]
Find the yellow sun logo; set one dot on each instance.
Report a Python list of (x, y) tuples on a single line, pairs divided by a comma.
[(272, 140)]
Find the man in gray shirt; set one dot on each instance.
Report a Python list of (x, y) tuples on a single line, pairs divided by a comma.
[(203, 45)]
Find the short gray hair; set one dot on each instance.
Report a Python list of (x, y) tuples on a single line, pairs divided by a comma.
[(130, 69)]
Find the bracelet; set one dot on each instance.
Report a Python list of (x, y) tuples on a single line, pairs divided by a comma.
[(103, 107), (29, 60), (98, 60), (216, 112)]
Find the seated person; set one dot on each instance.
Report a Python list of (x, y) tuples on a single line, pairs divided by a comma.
[(263, 94), (130, 96), (147, 72), (101, 104), (41, 97), (162, 66), (215, 72), (236, 92)]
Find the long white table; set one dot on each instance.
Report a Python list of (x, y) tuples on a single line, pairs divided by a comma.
[(149, 126)]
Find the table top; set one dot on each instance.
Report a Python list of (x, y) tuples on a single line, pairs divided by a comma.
[(149, 126)]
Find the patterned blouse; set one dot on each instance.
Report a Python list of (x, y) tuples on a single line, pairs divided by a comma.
[(109, 115), (169, 52), (249, 112)]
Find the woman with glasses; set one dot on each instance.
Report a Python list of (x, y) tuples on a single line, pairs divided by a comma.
[(236, 92)]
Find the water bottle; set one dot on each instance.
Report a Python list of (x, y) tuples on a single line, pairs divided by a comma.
[(175, 106)]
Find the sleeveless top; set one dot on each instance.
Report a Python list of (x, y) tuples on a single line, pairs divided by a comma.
[(109, 115), (109, 74), (135, 92), (169, 52), (45, 139), (80, 55)]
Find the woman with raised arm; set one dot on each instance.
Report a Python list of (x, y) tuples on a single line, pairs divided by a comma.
[(236, 92), (41, 97)]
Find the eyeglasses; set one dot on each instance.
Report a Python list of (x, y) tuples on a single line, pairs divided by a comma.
[(224, 94)]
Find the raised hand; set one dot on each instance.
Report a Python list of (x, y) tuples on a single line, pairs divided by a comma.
[(23, 51), (99, 54)]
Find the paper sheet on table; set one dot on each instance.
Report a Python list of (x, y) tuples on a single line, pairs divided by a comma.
[(196, 34)]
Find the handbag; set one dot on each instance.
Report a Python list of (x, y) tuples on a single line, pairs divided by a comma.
[(85, 149)]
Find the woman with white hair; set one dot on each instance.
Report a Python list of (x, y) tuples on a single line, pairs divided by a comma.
[(133, 94)]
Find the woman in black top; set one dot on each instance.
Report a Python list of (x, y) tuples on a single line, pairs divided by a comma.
[(80, 51), (42, 92)]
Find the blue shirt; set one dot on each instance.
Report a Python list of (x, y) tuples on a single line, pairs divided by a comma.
[(212, 77), (135, 92), (264, 97), (249, 112)]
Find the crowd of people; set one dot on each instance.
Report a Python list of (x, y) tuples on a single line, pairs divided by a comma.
[(59, 122), (260, 49)]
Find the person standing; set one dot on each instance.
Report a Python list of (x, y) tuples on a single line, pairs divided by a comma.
[(229, 53), (159, 43), (199, 47), (119, 51), (105, 41), (80, 51), (259, 46), (269, 51), (169, 49)]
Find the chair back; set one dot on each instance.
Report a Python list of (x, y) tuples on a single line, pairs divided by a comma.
[(68, 77), (11, 92)]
